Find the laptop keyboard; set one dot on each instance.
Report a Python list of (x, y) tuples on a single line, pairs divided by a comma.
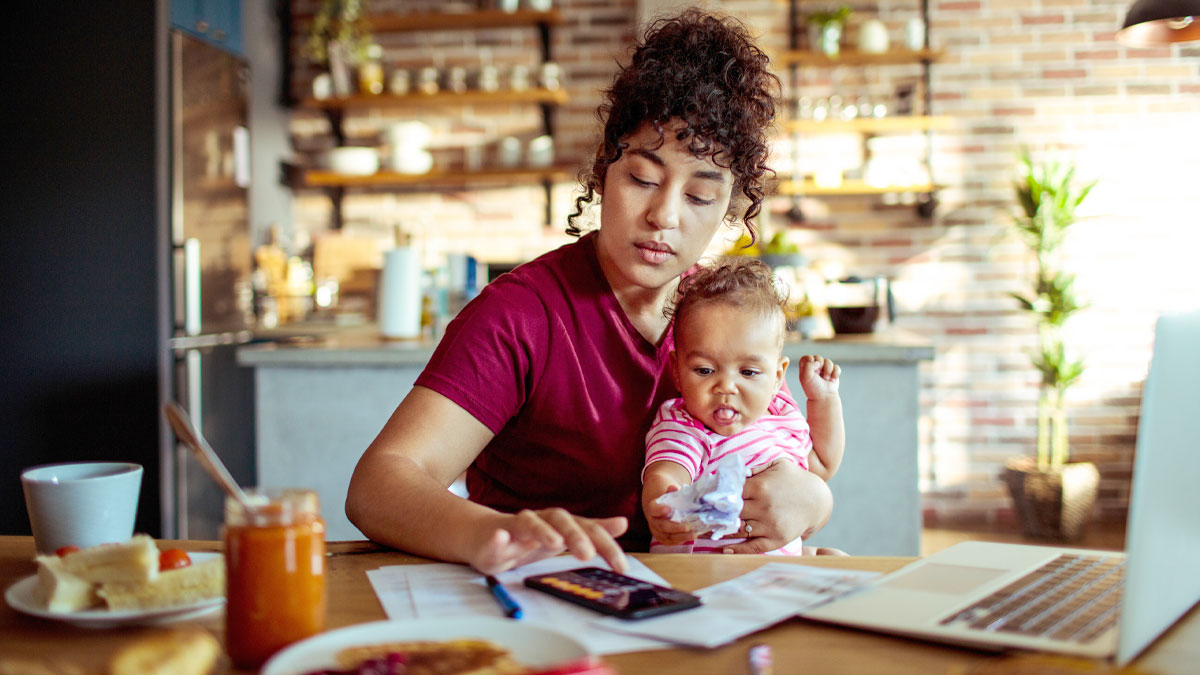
[(1073, 598)]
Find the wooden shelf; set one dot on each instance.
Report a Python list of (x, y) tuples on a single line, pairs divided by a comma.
[(851, 57), (442, 98), (449, 178), (848, 187), (871, 125), (384, 23)]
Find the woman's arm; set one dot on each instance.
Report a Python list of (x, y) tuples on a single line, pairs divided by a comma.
[(398, 497), (782, 502)]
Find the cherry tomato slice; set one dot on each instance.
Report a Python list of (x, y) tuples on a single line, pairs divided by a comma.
[(172, 559), (65, 550)]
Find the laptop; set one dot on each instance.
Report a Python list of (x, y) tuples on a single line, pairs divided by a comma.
[(995, 595)]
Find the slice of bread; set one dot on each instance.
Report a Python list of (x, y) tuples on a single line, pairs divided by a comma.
[(60, 590), (171, 588), (133, 560), (169, 652)]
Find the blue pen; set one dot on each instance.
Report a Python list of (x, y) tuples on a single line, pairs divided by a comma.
[(510, 606)]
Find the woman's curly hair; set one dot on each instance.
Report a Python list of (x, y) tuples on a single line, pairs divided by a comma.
[(747, 283), (706, 71)]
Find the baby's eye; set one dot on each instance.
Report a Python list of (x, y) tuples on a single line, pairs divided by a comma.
[(702, 370), (747, 372)]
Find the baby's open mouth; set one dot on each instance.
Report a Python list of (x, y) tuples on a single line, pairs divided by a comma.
[(725, 415)]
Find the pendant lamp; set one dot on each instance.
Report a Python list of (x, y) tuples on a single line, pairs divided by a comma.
[(1160, 22)]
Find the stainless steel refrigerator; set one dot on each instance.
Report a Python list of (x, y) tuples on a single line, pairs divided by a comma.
[(211, 262)]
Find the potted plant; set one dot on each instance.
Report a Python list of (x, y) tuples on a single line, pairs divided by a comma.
[(826, 28), (340, 38), (1053, 497)]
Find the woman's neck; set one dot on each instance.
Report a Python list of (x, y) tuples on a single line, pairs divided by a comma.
[(644, 307)]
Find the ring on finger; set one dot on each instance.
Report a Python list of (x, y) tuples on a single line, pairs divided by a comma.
[(749, 529)]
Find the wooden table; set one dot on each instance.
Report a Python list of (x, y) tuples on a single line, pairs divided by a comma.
[(799, 646)]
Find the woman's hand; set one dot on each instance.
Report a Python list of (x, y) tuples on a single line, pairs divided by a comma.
[(782, 502), (528, 536)]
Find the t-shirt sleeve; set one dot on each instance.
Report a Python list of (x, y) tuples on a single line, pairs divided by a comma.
[(488, 360), (791, 423), (672, 438)]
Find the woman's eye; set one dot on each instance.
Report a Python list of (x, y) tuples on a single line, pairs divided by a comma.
[(639, 181), (700, 201)]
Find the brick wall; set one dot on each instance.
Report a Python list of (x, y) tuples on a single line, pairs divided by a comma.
[(1046, 74)]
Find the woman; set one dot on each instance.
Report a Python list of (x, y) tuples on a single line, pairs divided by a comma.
[(543, 387)]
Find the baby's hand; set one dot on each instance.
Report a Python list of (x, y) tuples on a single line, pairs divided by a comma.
[(662, 528), (819, 377)]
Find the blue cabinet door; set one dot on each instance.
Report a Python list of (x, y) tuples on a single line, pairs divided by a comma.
[(218, 22)]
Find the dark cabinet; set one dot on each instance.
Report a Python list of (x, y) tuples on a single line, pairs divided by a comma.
[(218, 22)]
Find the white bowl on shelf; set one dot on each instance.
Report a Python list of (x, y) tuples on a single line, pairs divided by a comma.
[(353, 161)]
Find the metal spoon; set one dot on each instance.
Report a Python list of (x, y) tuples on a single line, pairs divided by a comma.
[(191, 437)]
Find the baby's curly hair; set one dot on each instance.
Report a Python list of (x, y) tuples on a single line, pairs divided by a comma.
[(706, 71), (747, 283)]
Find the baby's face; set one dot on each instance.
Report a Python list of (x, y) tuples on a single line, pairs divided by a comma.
[(728, 365)]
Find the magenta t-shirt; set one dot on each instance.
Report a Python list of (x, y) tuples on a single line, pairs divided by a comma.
[(546, 358)]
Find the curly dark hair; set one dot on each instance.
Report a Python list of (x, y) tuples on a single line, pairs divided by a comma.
[(706, 71), (740, 281)]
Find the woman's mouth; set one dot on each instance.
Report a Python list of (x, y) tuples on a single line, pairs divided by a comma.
[(655, 253)]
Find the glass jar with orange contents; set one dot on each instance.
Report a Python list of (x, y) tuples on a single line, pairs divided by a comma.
[(275, 573)]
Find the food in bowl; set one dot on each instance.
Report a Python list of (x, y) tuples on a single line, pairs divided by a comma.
[(465, 656)]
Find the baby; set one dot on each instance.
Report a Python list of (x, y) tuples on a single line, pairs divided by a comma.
[(728, 364)]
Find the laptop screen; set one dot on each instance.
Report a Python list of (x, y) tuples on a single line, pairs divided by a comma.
[(1163, 534)]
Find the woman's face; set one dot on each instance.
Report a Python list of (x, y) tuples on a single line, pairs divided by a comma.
[(660, 208)]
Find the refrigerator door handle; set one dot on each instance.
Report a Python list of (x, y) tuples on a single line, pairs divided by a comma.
[(191, 286), (192, 396)]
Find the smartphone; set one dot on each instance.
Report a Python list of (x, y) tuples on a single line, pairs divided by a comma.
[(611, 593)]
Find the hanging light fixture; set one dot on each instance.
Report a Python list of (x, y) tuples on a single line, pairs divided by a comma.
[(1160, 22)]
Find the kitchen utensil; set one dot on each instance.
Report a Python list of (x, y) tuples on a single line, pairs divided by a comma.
[(353, 161), (855, 305), (191, 437)]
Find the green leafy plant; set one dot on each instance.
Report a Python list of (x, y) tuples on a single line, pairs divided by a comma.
[(835, 16), (343, 22), (1048, 195)]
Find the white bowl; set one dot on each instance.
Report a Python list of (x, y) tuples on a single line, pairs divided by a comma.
[(354, 161)]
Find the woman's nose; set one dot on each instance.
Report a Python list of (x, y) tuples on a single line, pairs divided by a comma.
[(664, 211)]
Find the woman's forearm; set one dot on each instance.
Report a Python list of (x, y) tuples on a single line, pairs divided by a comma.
[(394, 502)]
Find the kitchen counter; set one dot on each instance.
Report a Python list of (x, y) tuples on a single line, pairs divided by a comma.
[(322, 395), (363, 346)]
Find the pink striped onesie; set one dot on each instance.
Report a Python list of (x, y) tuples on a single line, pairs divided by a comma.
[(678, 437)]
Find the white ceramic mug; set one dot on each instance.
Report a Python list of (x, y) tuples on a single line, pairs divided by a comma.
[(81, 503)]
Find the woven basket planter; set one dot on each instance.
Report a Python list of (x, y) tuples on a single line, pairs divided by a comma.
[(1054, 504)]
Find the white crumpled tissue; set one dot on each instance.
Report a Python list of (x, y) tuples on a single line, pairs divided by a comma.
[(713, 503)]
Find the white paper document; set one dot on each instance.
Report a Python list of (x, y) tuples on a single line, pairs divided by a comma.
[(746, 604), (743, 605), (448, 590)]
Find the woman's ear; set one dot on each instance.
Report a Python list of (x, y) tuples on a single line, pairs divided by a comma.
[(675, 368)]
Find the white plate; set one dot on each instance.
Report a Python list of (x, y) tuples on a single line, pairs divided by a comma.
[(20, 596), (532, 645)]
